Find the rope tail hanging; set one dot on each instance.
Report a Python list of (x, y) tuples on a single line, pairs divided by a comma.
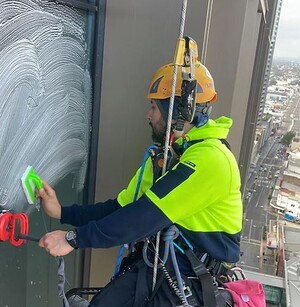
[(177, 60)]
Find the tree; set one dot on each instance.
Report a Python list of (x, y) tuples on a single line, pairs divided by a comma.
[(288, 137)]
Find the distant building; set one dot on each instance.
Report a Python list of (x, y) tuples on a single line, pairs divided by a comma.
[(256, 146), (288, 194), (267, 128), (295, 146), (288, 262), (277, 96)]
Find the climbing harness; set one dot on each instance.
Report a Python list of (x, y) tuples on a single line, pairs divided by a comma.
[(205, 269), (168, 237), (208, 285)]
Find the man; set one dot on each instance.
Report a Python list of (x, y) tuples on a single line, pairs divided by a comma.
[(199, 194)]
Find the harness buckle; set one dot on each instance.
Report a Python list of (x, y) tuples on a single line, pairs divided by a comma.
[(219, 267), (187, 291)]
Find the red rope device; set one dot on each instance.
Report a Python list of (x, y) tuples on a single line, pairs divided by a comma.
[(13, 227)]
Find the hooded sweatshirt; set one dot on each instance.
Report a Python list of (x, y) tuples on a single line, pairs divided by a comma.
[(200, 195)]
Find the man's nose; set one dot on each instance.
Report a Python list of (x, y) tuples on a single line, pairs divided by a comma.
[(148, 115)]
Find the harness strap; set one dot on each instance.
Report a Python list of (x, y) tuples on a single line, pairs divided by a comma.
[(179, 149), (207, 284), (141, 284)]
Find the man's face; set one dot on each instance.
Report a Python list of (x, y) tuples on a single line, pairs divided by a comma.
[(157, 122)]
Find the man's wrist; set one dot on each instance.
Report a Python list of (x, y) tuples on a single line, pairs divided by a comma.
[(71, 238)]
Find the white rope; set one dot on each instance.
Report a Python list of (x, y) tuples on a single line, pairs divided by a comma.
[(167, 141), (206, 31), (174, 81)]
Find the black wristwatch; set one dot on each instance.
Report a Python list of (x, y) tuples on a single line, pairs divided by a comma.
[(71, 238)]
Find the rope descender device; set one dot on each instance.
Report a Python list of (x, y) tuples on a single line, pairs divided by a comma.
[(13, 227), (186, 56)]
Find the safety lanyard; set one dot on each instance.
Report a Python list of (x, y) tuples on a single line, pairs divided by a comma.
[(150, 149)]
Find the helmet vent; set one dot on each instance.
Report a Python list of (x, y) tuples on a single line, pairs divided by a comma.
[(155, 85), (199, 88)]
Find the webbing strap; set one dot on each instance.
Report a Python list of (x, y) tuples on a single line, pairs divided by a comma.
[(208, 288), (179, 149), (61, 280), (141, 291)]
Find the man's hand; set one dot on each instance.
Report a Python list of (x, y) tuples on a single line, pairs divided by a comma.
[(55, 243), (49, 201)]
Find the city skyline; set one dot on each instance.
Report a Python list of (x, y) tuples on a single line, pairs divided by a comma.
[(288, 38)]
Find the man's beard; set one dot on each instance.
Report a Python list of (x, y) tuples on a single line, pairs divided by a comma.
[(159, 132)]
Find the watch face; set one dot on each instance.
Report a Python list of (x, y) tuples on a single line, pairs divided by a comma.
[(71, 238), (70, 235)]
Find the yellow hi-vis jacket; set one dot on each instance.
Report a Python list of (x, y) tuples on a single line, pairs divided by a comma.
[(200, 195)]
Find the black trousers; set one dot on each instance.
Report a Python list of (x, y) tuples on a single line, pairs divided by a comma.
[(134, 289)]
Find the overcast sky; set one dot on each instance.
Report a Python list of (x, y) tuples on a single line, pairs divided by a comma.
[(288, 37)]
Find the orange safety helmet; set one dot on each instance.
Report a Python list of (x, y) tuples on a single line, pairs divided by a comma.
[(161, 83)]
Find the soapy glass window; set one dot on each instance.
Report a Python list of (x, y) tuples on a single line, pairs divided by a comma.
[(45, 116)]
